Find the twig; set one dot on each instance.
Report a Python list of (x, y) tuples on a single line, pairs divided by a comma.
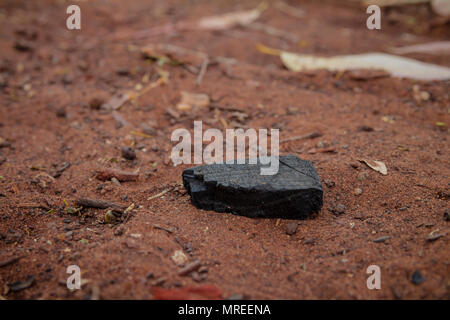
[(273, 31), (224, 108), (306, 136), (4, 263), (108, 173), (159, 194), (118, 117), (117, 101), (61, 169), (128, 212), (157, 226), (191, 267), (387, 3), (32, 205), (99, 204), (202, 72), (289, 10)]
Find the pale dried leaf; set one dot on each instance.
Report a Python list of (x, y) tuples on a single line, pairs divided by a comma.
[(375, 165), (229, 20), (389, 3), (397, 66), (192, 100), (179, 257), (438, 47), (116, 101), (441, 7)]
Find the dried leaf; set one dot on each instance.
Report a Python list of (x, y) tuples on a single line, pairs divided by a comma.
[(388, 3), (434, 236), (116, 102), (437, 47), (192, 100), (267, 50), (230, 20), (397, 66), (21, 285), (441, 7), (375, 165), (152, 52)]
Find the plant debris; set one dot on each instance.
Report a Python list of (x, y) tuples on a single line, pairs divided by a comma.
[(381, 239), (378, 166), (230, 20), (122, 176), (397, 66), (434, 236), (99, 204), (191, 267), (20, 285), (193, 101), (437, 47), (9, 261)]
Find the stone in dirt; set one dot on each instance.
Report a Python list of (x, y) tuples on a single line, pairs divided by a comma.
[(128, 153), (294, 192), (417, 278), (291, 228)]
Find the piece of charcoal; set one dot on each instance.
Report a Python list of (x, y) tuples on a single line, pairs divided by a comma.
[(294, 192)]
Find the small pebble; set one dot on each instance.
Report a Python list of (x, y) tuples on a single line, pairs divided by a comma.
[(119, 231), (354, 165), (357, 191), (417, 278), (381, 239), (61, 113), (95, 103), (362, 176), (365, 128), (330, 183), (147, 129), (128, 153), (291, 228), (203, 269), (115, 181), (338, 209)]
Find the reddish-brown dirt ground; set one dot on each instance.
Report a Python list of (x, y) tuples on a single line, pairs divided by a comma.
[(51, 77)]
